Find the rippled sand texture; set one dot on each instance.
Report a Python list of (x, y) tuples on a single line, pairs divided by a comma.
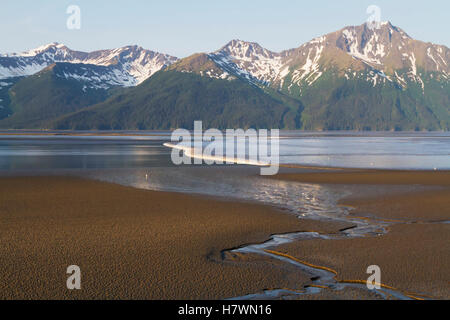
[(414, 254), (138, 244), (132, 244)]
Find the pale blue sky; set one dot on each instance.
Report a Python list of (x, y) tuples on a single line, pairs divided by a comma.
[(183, 27)]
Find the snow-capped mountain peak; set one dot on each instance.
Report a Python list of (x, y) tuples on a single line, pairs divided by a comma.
[(378, 55), (36, 51), (248, 60), (243, 50), (130, 62), (371, 45)]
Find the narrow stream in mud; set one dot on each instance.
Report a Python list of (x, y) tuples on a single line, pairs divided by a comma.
[(307, 201), (321, 279)]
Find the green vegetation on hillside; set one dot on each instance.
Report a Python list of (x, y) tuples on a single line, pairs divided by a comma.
[(335, 103), (5, 101), (172, 99), (38, 99), (175, 98)]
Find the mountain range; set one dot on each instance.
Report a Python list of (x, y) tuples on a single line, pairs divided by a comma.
[(356, 78)]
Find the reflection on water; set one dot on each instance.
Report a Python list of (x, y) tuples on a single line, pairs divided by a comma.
[(356, 150), (389, 151), (306, 200), (128, 160), (309, 201), (49, 153)]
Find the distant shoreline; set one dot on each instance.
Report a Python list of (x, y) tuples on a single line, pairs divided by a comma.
[(37, 132), (75, 134)]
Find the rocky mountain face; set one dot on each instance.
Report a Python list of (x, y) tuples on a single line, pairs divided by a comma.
[(378, 56), (356, 78), (93, 74)]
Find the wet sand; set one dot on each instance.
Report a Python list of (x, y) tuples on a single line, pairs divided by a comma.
[(133, 244), (369, 177), (414, 256), (137, 244)]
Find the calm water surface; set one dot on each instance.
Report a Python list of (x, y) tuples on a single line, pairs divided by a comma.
[(142, 161), (356, 150)]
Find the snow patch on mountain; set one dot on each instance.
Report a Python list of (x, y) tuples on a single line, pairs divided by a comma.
[(249, 60), (4, 84), (21, 69), (101, 80), (310, 71), (367, 55)]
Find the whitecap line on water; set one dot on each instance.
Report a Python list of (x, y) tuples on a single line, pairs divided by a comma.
[(198, 154)]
